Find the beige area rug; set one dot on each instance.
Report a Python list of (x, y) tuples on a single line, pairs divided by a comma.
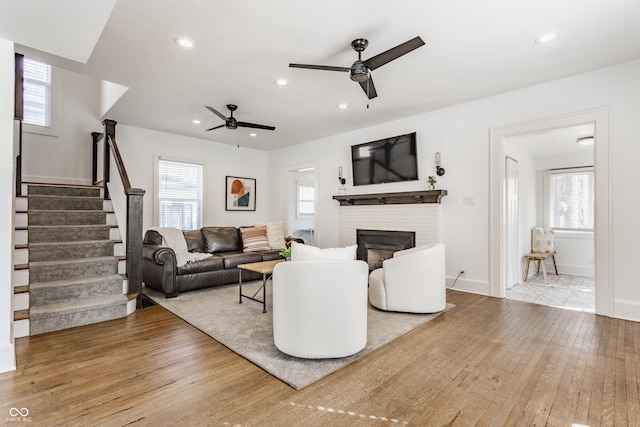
[(247, 331)]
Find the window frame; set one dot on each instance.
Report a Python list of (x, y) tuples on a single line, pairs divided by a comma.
[(54, 105), (158, 200), (305, 184), (547, 196)]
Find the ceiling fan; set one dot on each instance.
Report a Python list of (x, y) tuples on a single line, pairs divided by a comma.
[(360, 71), (231, 123)]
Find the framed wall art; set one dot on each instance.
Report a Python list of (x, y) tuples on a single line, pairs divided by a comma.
[(240, 194)]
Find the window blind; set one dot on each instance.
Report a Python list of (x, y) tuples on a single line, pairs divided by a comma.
[(306, 199), (571, 199), (180, 194)]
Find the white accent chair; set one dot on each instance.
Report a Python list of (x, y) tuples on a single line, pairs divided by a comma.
[(320, 308), (413, 281)]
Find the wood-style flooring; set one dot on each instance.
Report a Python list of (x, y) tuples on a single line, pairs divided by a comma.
[(487, 362)]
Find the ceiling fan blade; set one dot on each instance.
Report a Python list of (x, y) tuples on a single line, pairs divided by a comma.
[(214, 111), (217, 127), (393, 53), (255, 126), (369, 88), (320, 67)]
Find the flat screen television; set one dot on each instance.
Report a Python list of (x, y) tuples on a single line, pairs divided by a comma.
[(386, 160)]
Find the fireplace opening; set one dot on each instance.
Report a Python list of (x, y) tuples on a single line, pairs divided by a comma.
[(374, 246)]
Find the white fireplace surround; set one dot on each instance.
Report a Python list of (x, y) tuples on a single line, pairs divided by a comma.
[(423, 219)]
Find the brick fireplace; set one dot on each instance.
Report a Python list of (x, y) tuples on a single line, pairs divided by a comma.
[(407, 212)]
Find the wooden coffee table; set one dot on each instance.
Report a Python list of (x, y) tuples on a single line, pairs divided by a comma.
[(266, 269)]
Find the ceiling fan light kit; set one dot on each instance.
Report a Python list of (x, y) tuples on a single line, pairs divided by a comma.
[(360, 71)]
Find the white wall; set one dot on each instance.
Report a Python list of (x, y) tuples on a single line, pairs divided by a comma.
[(7, 192), (66, 157), (140, 149), (460, 134)]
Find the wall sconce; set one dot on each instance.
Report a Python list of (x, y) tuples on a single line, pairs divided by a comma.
[(439, 170), (341, 180)]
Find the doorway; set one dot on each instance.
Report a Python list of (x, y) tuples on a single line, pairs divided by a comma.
[(557, 193), (599, 118), (301, 203)]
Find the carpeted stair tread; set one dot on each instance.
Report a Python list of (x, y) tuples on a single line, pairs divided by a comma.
[(57, 291), (82, 304), (54, 317), (64, 190), (67, 217), (46, 271), (51, 251), (45, 202), (67, 233)]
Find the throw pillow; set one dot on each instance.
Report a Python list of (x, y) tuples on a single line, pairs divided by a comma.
[(300, 252), (254, 239), (542, 240), (275, 234)]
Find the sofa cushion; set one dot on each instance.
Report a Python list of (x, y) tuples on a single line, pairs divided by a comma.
[(233, 259), (275, 234), (208, 264), (152, 237), (194, 240), (221, 239), (300, 252), (254, 239)]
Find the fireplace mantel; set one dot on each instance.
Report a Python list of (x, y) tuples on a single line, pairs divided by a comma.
[(398, 198)]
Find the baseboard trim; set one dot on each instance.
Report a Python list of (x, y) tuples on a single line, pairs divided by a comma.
[(466, 285), (626, 310)]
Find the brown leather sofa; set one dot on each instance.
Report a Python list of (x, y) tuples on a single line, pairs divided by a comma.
[(160, 270)]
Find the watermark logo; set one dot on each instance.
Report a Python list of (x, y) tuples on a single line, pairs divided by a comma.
[(18, 415)]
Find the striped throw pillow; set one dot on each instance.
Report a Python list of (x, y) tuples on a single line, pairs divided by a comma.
[(255, 239)]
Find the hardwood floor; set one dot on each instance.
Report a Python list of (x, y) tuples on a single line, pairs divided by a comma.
[(487, 362)]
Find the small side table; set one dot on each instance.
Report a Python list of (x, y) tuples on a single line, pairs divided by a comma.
[(266, 269), (540, 257)]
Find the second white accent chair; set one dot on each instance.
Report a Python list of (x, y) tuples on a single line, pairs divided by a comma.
[(413, 281)]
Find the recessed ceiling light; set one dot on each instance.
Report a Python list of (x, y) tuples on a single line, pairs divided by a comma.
[(196, 121), (253, 134), (546, 38), (343, 106), (282, 82), (185, 42)]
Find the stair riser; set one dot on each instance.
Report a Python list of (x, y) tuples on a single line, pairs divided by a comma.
[(55, 252), (65, 203), (70, 320), (63, 191), (53, 295), (48, 273), (54, 234), (67, 218)]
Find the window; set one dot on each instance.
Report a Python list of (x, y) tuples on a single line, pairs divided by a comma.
[(37, 93), (180, 194), (305, 199), (571, 199)]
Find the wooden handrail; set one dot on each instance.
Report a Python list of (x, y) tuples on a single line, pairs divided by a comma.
[(134, 212)]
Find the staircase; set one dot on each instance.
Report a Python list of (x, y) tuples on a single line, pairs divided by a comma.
[(74, 275)]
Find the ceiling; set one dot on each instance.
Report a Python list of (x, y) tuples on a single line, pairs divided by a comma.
[(556, 142), (473, 50)]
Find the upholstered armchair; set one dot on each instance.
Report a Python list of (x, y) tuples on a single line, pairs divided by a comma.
[(412, 281), (320, 308)]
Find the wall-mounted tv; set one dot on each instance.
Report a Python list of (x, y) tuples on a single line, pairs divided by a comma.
[(386, 160)]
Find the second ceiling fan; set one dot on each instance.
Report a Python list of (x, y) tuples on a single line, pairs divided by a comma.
[(360, 71), (232, 123)]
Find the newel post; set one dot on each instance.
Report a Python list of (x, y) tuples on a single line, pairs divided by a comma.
[(134, 242), (109, 132)]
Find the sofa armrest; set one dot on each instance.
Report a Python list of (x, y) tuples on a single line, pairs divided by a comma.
[(159, 267)]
